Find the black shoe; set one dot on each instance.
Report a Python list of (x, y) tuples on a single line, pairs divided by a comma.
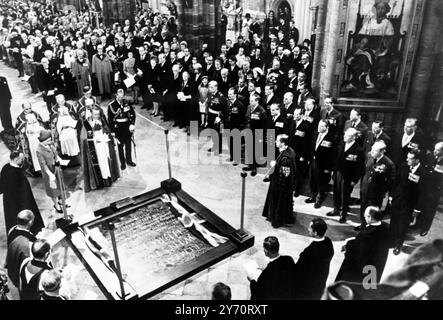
[(333, 213), (296, 194), (130, 163), (235, 164), (423, 233), (122, 167), (342, 219), (253, 173), (359, 228), (397, 250), (210, 150), (58, 210), (310, 200), (317, 205), (248, 168), (266, 179)]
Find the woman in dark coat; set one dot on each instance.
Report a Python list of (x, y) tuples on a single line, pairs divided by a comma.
[(279, 202), (17, 194)]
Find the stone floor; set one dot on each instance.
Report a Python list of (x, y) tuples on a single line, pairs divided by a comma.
[(212, 181)]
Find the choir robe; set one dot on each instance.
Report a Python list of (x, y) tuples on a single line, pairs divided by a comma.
[(94, 155), (18, 196), (279, 202), (312, 270)]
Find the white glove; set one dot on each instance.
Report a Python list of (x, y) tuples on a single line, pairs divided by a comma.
[(131, 128)]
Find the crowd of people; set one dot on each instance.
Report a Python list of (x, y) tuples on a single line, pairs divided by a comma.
[(262, 82)]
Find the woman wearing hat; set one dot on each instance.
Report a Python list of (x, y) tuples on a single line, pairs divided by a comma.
[(47, 155)]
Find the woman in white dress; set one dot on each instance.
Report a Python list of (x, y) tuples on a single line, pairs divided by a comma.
[(65, 124)]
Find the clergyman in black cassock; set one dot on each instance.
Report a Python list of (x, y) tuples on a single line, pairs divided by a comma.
[(369, 248), (276, 282), (312, 267), (17, 194), (279, 201)]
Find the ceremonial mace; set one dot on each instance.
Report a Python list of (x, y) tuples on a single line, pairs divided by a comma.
[(241, 236)]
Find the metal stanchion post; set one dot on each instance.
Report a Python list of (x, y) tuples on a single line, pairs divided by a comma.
[(110, 226)]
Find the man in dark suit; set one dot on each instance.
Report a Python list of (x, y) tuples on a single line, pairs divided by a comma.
[(223, 82), (335, 117), (307, 67), (356, 123), (303, 93), (46, 78), (209, 68), (278, 125), (257, 120), (270, 98), (409, 140), (235, 119), (311, 113), (312, 267), (322, 150), (288, 106), (276, 280), (377, 180), (376, 133), (5, 104), (348, 168), (369, 248), (433, 190), (292, 81), (407, 197), (300, 135)]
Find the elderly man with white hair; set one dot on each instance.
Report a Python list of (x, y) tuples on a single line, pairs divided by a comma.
[(377, 180), (81, 69), (348, 169)]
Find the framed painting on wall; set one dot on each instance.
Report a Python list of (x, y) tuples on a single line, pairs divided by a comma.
[(377, 44)]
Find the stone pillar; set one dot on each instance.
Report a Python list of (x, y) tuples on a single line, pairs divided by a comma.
[(331, 41), (424, 62), (118, 11), (322, 9)]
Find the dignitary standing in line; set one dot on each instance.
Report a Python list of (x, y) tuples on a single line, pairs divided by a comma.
[(433, 190), (235, 119), (101, 71), (322, 152), (312, 267), (348, 169), (121, 117), (369, 249), (17, 193), (377, 180), (300, 135), (279, 201), (407, 197)]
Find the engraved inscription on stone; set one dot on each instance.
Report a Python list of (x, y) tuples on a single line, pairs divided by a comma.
[(152, 239)]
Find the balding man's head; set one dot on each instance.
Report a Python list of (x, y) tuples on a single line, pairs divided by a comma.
[(350, 135), (25, 219), (288, 98)]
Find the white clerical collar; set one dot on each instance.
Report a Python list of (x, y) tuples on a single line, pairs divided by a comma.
[(270, 260), (14, 165), (318, 239)]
